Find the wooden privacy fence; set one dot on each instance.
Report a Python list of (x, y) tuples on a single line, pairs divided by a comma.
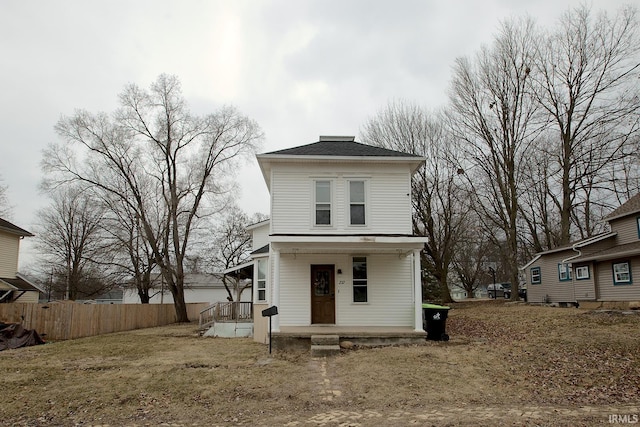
[(68, 320)]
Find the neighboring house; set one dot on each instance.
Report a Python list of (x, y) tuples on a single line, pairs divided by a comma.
[(14, 287), (599, 269), (198, 287), (338, 255)]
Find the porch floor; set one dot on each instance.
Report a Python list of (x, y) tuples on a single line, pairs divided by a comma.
[(299, 337)]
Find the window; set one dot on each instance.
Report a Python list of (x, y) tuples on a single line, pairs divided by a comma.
[(638, 226), (622, 273), (323, 203), (536, 277), (262, 280), (356, 202), (564, 272), (360, 279), (582, 272)]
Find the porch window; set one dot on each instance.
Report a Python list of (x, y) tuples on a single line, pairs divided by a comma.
[(564, 272), (262, 280), (622, 273), (582, 272), (360, 279), (323, 202), (357, 203), (536, 276)]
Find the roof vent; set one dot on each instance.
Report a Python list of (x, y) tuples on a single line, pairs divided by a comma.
[(337, 138)]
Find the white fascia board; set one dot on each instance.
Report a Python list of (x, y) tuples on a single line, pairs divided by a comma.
[(258, 224), (350, 239), (535, 258)]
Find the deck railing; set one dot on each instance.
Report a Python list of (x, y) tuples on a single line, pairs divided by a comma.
[(226, 311)]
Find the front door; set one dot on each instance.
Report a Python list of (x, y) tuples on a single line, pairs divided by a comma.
[(323, 294)]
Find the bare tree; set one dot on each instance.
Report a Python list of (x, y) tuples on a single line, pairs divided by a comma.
[(494, 116), (160, 160), (438, 197), (586, 79), (5, 207), (71, 245), (132, 253)]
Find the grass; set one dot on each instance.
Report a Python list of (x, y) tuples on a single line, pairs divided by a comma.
[(501, 356)]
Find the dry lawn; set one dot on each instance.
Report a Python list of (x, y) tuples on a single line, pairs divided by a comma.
[(506, 364)]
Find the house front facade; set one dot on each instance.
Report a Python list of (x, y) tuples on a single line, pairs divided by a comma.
[(599, 270), (338, 254), (13, 286)]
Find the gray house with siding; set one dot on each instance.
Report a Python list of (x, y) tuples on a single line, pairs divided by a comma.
[(600, 269)]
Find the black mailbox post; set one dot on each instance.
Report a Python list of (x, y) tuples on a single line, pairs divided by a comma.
[(270, 312)]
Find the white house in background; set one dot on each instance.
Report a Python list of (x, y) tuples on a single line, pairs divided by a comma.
[(338, 255), (13, 286), (207, 288)]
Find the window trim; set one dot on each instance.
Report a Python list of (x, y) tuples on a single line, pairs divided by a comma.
[(618, 282), (567, 271), (638, 225), (578, 269), (263, 281), (363, 203), (360, 285), (538, 273), (316, 203)]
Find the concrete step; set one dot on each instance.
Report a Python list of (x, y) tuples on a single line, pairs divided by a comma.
[(325, 340), (324, 350)]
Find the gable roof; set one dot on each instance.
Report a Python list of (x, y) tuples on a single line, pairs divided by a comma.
[(13, 229), (340, 146), (631, 206)]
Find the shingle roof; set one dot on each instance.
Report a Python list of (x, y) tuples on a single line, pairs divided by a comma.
[(341, 148), (262, 250), (629, 207), (12, 228)]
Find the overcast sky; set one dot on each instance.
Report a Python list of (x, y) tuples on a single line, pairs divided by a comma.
[(299, 68)]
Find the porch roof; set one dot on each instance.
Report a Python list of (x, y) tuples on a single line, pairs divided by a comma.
[(300, 244), (620, 251)]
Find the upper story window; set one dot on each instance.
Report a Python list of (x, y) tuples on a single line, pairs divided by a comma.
[(357, 209), (564, 272), (638, 226), (323, 203)]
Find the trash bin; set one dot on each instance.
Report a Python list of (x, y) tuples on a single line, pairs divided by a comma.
[(434, 320)]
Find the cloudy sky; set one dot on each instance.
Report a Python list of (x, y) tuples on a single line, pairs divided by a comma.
[(299, 68)]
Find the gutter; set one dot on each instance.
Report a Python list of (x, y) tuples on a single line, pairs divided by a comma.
[(586, 242)]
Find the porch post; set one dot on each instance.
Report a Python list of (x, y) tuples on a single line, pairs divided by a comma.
[(275, 296), (417, 291)]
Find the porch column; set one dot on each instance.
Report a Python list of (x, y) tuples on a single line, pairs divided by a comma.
[(275, 296), (417, 291)]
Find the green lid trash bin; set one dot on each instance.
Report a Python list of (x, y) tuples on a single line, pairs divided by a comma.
[(434, 321)]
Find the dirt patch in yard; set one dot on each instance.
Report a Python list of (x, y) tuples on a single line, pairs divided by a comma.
[(506, 364)]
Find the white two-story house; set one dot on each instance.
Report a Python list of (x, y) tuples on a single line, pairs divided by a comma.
[(338, 255)]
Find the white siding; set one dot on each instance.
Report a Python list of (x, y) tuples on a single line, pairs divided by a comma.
[(9, 248), (390, 294), (388, 203), (389, 284), (260, 236)]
